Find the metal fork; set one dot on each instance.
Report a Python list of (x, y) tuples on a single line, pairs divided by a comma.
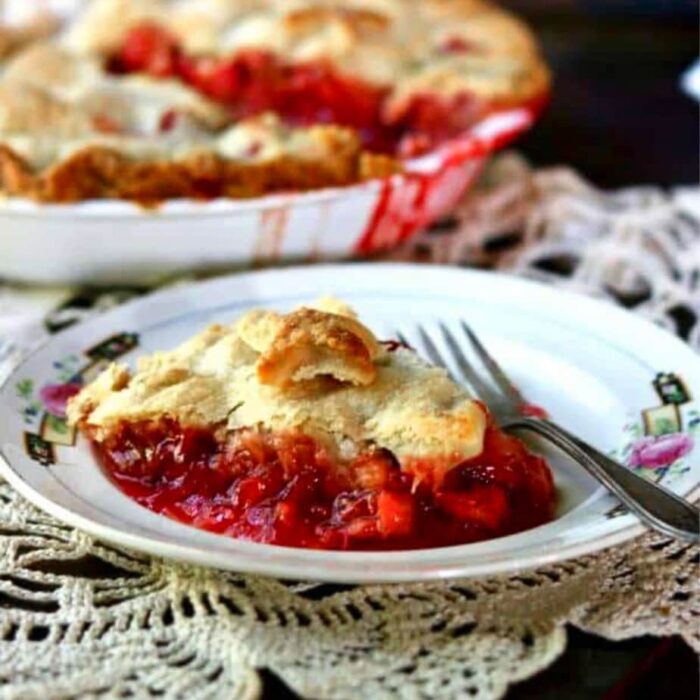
[(654, 505)]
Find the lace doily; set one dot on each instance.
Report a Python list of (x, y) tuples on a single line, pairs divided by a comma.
[(79, 618)]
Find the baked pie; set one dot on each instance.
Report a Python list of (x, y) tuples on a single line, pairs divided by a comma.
[(302, 429), (68, 134), (154, 99)]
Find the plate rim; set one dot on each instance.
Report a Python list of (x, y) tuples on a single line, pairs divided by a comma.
[(158, 545)]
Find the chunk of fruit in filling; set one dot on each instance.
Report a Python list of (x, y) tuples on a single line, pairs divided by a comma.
[(283, 488), (254, 81)]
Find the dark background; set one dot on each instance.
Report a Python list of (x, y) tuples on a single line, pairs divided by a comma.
[(618, 114)]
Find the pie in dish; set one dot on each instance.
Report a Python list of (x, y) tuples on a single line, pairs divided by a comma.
[(67, 134), (302, 429), (153, 99)]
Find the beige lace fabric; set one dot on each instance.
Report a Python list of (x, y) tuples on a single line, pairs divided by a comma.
[(638, 246), (83, 619)]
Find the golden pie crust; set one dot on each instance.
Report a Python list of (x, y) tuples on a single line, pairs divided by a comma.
[(13, 38), (400, 43), (68, 133), (104, 172), (314, 370)]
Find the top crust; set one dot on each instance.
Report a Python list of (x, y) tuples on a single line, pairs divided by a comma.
[(340, 386), (395, 43), (106, 144), (70, 130), (13, 38), (309, 343)]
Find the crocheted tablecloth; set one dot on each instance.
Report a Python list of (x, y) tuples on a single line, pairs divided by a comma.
[(80, 618)]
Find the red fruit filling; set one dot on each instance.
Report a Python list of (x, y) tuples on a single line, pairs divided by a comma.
[(284, 488), (253, 81)]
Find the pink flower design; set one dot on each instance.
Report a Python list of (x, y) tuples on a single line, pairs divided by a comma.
[(655, 452), (55, 397)]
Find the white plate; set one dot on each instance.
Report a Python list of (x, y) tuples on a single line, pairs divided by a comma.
[(591, 364)]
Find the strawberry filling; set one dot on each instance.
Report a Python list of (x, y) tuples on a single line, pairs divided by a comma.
[(285, 489), (253, 81)]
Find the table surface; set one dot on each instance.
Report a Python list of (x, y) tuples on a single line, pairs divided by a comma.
[(639, 669), (618, 117)]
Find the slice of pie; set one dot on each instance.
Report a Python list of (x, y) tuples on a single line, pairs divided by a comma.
[(302, 429)]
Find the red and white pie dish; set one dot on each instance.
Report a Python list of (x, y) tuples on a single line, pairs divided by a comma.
[(111, 242), (621, 383)]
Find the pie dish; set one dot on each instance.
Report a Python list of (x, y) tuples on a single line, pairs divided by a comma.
[(302, 429), (156, 100)]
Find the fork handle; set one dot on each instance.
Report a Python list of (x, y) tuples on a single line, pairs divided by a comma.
[(656, 506)]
